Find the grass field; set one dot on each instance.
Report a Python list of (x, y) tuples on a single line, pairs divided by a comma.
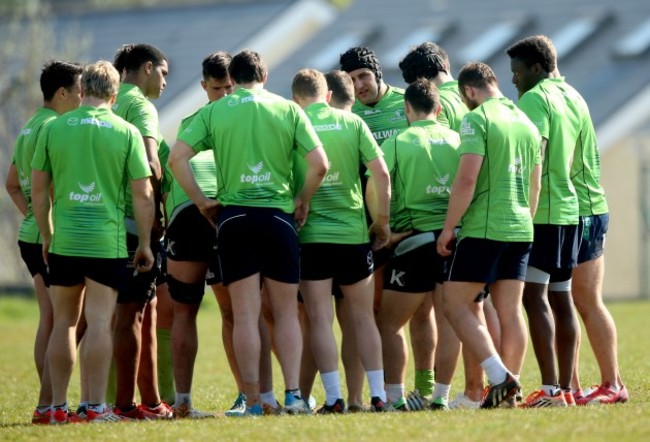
[(214, 390)]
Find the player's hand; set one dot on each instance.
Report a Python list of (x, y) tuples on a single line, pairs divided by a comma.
[(381, 234), (46, 250), (301, 212), (446, 238), (210, 209), (143, 260)]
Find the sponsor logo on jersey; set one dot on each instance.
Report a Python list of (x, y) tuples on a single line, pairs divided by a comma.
[(328, 127), (332, 178), (72, 121), (466, 128), (383, 134), (23, 180), (95, 122), (443, 188), (429, 141), (87, 197), (398, 116), (372, 112), (516, 167), (26, 131), (256, 178)]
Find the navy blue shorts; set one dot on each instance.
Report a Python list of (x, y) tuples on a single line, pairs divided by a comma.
[(345, 263), (555, 248), (68, 271), (488, 261), (140, 287), (32, 254), (257, 240), (592, 241)]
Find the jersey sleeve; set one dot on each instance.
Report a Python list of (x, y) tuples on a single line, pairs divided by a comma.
[(197, 132), (41, 159), (472, 134), (368, 147), (306, 138), (138, 164), (537, 111), (144, 116), (443, 118)]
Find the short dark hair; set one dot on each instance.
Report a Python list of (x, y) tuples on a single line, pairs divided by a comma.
[(216, 65), (309, 83), (426, 60), (57, 74), (422, 95), (360, 57), (535, 49), (141, 54), (247, 67), (119, 59), (340, 83), (476, 74)]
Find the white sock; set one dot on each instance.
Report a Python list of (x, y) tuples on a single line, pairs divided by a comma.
[(441, 390), (394, 392), (100, 408), (269, 398), (376, 383), (496, 371), (183, 398), (332, 386), (551, 390)]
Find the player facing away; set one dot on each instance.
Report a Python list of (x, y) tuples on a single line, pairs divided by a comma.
[(254, 135)]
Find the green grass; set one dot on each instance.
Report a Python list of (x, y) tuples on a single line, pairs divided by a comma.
[(214, 390)]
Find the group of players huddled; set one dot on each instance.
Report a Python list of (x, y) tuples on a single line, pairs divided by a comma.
[(445, 206)]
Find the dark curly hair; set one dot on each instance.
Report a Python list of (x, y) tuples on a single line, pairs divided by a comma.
[(361, 57), (424, 61), (535, 49)]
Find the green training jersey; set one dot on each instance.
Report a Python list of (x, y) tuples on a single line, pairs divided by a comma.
[(134, 107), (91, 155), (205, 173), (422, 161), (559, 113), (585, 173), (387, 117), (336, 211), (22, 159), (254, 135), (453, 108), (511, 146)]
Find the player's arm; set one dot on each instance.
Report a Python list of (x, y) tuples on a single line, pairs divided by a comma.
[(143, 208), (378, 201), (41, 206), (462, 192), (179, 163), (13, 189), (316, 169)]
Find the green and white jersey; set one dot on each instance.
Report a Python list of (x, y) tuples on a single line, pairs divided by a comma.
[(134, 107), (92, 155), (510, 145), (453, 108), (254, 135), (205, 173), (422, 161), (559, 112), (585, 173), (22, 159), (336, 211), (387, 117)]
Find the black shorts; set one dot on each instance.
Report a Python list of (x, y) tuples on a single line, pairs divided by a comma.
[(32, 254), (257, 240), (345, 263), (190, 237), (592, 241), (415, 265), (68, 271), (140, 287), (485, 260), (554, 247)]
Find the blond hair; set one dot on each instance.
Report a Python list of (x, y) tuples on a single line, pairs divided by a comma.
[(100, 80)]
